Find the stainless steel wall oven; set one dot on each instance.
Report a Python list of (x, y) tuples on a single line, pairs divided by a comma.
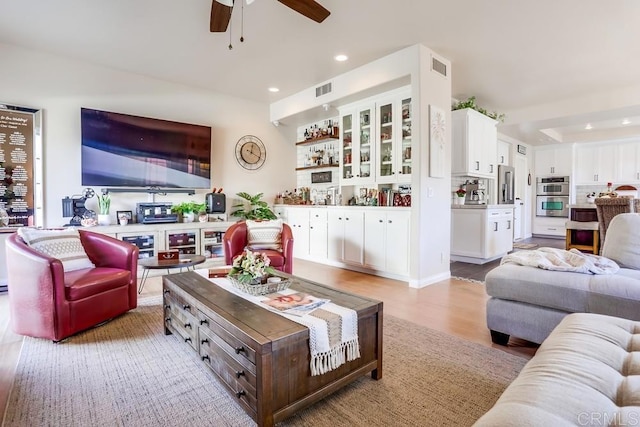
[(552, 196)]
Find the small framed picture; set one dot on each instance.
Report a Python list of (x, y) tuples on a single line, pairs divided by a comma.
[(124, 214)]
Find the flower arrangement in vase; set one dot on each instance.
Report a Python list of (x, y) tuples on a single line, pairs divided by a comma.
[(251, 267), (460, 193)]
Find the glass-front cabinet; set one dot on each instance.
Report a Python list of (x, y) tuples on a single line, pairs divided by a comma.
[(394, 140), (356, 146)]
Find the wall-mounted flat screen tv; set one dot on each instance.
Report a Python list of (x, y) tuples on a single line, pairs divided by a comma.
[(122, 150)]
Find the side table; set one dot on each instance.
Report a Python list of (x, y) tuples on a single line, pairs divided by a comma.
[(185, 261)]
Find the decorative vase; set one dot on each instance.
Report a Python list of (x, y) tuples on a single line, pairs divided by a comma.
[(188, 217), (459, 200), (103, 219)]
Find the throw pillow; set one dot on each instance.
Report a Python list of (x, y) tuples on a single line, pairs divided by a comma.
[(63, 244), (622, 241), (264, 234)]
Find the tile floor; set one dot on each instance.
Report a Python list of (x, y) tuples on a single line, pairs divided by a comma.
[(478, 272)]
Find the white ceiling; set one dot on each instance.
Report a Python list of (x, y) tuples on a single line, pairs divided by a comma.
[(511, 54)]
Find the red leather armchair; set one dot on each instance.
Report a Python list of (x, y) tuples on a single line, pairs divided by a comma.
[(235, 241), (47, 302)]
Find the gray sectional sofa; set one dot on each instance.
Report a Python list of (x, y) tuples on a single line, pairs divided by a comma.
[(528, 302)]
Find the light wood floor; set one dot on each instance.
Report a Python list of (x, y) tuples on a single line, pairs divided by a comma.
[(452, 306)]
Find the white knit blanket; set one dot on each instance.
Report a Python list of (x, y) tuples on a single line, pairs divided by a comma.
[(561, 260), (333, 330)]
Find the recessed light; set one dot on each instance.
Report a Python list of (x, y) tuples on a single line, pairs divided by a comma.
[(626, 122), (588, 126), (274, 89), (341, 58)]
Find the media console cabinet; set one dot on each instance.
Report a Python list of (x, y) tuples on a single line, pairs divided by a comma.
[(191, 238), (260, 357)]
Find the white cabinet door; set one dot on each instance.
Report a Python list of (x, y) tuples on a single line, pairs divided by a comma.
[(553, 161), (398, 228), (345, 236), (298, 220), (357, 147), (474, 144), (318, 233), (628, 161), (393, 136), (353, 237), (595, 164), (375, 239), (499, 232), (504, 153)]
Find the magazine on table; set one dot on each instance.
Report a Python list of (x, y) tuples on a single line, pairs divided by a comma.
[(296, 303)]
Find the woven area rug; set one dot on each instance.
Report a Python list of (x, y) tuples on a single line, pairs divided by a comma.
[(128, 373)]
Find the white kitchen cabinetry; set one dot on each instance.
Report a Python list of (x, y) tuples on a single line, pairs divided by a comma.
[(394, 135), (504, 153), (474, 144), (298, 221), (595, 164), (628, 162), (356, 148), (386, 241), (481, 235), (345, 235), (555, 161), (546, 226)]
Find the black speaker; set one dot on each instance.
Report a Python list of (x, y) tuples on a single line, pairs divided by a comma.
[(216, 203)]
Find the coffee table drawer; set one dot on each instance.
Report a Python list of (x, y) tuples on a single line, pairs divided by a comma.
[(238, 378), (240, 349), (181, 321)]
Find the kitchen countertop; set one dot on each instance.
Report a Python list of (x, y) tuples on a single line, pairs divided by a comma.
[(482, 206)]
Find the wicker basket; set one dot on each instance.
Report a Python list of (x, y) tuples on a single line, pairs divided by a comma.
[(257, 289)]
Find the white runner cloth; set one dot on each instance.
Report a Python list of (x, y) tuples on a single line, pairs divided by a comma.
[(561, 260), (327, 351)]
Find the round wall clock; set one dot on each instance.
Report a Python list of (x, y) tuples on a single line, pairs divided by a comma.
[(250, 152)]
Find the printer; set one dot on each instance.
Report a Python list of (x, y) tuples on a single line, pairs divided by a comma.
[(154, 213)]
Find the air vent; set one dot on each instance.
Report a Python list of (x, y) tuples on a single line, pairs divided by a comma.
[(438, 66), (323, 90)]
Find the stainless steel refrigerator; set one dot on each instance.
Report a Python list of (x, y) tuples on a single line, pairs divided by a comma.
[(506, 181)]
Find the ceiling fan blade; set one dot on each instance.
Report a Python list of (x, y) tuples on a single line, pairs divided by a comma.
[(309, 8), (220, 17)]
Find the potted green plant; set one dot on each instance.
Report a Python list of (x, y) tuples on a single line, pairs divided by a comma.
[(471, 103), (104, 203), (460, 193), (188, 210), (256, 210)]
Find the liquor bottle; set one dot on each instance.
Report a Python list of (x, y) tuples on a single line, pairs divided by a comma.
[(306, 134)]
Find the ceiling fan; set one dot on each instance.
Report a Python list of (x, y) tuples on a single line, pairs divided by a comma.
[(221, 12)]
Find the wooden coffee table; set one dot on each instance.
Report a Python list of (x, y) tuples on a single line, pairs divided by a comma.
[(185, 261), (260, 357)]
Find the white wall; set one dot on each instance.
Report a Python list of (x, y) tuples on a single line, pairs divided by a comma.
[(61, 86)]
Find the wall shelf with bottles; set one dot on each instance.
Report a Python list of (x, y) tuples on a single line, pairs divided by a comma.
[(335, 165), (317, 140)]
